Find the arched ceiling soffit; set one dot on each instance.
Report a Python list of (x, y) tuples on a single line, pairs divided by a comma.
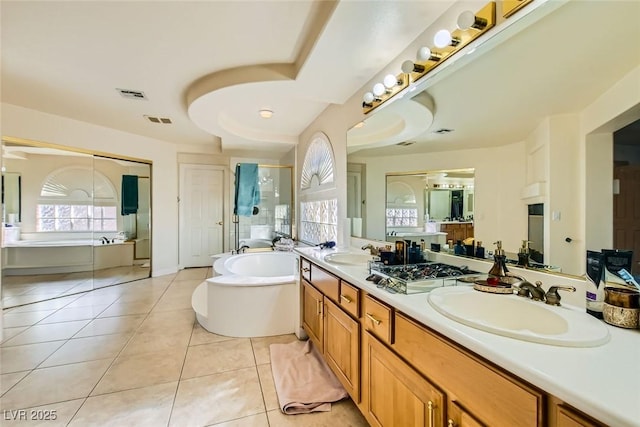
[(217, 100)]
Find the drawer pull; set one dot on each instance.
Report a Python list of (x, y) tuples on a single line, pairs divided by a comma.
[(431, 415), (373, 319), (319, 308), (451, 423), (346, 299), (306, 270)]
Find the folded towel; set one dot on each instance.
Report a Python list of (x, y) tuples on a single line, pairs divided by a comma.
[(247, 193), (304, 382), (129, 202)]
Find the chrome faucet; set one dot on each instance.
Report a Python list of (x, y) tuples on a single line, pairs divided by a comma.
[(372, 249), (243, 248)]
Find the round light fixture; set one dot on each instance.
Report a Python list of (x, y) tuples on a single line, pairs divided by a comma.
[(466, 20), (424, 53), (378, 89), (442, 39), (368, 98), (390, 81), (265, 114)]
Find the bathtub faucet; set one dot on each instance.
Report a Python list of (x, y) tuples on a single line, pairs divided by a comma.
[(242, 249), (104, 240)]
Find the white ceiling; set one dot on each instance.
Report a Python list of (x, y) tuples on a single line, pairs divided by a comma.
[(206, 65)]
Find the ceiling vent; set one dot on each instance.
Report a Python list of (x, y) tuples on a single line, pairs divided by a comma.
[(443, 130), (132, 94), (405, 143), (163, 120)]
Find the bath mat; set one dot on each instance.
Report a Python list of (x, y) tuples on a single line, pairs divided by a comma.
[(304, 382)]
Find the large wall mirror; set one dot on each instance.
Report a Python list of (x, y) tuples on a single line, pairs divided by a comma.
[(514, 112), (71, 221)]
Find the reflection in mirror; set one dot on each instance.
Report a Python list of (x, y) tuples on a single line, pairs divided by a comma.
[(11, 197), (538, 130), (431, 206), (75, 232)]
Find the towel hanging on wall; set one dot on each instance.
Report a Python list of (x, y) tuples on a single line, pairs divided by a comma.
[(247, 194), (129, 203)]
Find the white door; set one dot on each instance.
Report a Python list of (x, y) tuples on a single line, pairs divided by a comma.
[(201, 214)]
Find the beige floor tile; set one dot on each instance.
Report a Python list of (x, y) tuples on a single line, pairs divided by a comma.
[(91, 299), (56, 384), (42, 416), (112, 325), (12, 320), (166, 319), (201, 336), (127, 308), (258, 420), (343, 414), (268, 387), (217, 398), (148, 406), (218, 357), (49, 332), (142, 370), (68, 314), (261, 346), (88, 348), (156, 339), (8, 333), (191, 274), (26, 357), (9, 380)]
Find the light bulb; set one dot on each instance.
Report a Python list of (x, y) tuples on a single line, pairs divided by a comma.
[(466, 20), (442, 38), (390, 81), (424, 53), (265, 114), (368, 98), (378, 89)]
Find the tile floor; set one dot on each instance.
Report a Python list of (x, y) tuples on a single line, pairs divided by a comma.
[(133, 355)]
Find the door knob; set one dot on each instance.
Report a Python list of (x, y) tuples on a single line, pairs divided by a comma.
[(220, 222)]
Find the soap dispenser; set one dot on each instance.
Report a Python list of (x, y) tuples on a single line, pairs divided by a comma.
[(479, 250), (499, 268), (523, 254)]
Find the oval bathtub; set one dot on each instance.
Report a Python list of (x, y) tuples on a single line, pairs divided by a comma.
[(254, 295)]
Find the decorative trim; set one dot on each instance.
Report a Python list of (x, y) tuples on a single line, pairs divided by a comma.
[(319, 164)]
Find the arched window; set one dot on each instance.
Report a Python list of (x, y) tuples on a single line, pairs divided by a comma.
[(77, 199), (318, 214)]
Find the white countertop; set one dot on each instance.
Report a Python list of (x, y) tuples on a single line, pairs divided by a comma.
[(603, 382)]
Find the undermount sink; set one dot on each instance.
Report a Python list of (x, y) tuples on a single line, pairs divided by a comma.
[(519, 318), (348, 258)]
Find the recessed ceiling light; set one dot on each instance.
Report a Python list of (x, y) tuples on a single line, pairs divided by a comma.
[(265, 114)]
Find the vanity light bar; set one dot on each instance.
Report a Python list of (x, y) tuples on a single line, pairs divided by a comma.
[(481, 22)]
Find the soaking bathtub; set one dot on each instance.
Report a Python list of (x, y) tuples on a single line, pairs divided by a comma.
[(253, 295)]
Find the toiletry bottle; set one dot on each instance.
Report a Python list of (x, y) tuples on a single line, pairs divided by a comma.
[(422, 245), (595, 283), (523, 254), (459, 249), (400, 252), (479, 250), (499, 268)]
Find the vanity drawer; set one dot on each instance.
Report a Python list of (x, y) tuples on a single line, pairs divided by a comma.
[(350, 299), (305, 269), (496, 398), (326, 282), (377, 319)]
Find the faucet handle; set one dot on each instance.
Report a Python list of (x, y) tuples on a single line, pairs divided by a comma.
[(552, 296)]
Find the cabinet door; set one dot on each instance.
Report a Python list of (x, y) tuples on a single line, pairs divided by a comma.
[(566, 417), (396, 395), (459, 417), (312, 321), (342, 347)]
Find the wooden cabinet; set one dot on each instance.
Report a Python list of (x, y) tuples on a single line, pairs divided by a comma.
[(569, 417), (395, 394), (312, 319), (377, 319), (491, 395), (459, 417), (342, 347), (332, 330), (457, 232)]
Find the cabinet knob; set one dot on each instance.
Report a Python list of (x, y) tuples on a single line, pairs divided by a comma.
[(450, 423)]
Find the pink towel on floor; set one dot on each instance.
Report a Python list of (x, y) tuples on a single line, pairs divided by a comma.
[(304, 382)]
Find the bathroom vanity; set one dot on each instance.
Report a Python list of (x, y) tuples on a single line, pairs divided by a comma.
[(403, 363)]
